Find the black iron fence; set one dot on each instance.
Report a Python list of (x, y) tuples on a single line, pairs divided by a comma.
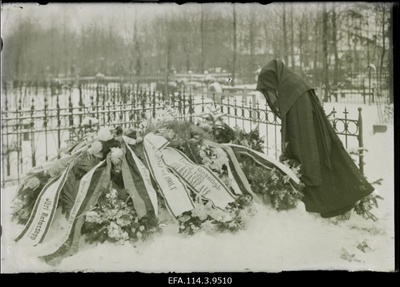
[(36, 126)]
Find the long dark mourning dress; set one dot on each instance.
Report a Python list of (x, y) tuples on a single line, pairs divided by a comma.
[(333, 183)]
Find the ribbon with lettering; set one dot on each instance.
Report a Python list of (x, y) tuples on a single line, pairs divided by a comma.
[(43, 212), (199, 178), (266, 162), (67, 231), (137, 181), (175, 193), (61, 238), (235, 172)]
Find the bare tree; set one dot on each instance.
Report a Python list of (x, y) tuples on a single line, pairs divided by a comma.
[(325, 49), (292, 44), (285, 43), (234, 32)]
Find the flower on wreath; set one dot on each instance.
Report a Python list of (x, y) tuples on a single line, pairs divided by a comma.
[(54, 171), (112, 194), (208, 226), (214, 158), (93, 216), (117, 155), (95, 148), (124, 220), (220, 215), (105, 134), (167, 133), (114, 231), (200, 211), (33, 183)]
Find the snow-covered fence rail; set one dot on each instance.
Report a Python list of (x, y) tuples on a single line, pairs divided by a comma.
[(35, 133)]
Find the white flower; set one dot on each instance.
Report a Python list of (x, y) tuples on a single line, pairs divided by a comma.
[(95, 148), (105, 134), (33, 183), (117, 155), (201, 212), (54, 171), (93, 216), (124, 236), (208, 227), (124, 220), (113, 193), (114, 231)]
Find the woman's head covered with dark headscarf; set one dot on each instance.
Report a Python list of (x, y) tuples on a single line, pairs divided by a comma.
[(277, 80)]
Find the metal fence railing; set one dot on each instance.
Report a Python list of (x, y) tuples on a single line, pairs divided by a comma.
[(36, 126)]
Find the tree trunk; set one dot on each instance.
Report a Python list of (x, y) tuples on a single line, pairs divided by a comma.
[(292, 37), (65, 56), (202, 57), (316, 52), (251, 46), (335, 45), (285, 44), (325, 50), (390, 56), (383, 43), (234, 46), (167, 57)]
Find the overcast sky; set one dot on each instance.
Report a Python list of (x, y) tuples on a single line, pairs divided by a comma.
[(80, 14)]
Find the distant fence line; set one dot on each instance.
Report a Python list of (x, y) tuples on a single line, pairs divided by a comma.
[(37, 128), (362, 89)]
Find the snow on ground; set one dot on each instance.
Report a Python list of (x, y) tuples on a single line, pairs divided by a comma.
[(272, 241)]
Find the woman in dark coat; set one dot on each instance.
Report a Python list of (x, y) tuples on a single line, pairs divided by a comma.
[(333, 183)]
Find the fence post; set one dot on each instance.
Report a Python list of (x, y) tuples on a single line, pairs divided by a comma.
[(191, 108), (114, 106), (71, 111), (154, 103), (58, 127), (18, 134), (360, 142), (109, 112), (180, 103), (92, 114), (32, 126), (254, 104), (7, 142), (97, 100), (105, 95), (346, 125), (184, 105), (143, 101), (121, 113), (81, 105), (5, 91), (45, 126)]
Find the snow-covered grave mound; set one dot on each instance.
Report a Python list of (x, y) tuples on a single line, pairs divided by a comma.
[(272, 240)]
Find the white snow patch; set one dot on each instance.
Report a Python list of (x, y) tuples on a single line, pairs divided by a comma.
[(272, 241)]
